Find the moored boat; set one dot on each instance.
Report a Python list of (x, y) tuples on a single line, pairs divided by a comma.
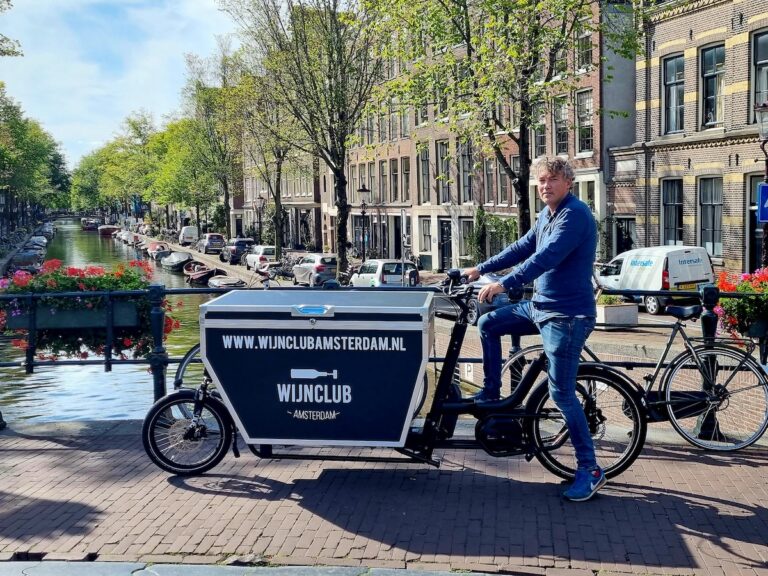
[(89, 224), (157, 250), (199, 272), (176, 260), (107, 229), (225, 282)]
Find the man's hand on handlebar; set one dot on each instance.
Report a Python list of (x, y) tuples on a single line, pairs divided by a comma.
[(488, 291), (472, 274)]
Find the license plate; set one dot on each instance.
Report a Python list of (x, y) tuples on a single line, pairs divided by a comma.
[(688, 286)]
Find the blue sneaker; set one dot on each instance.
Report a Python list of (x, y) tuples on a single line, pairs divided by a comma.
[(585, 485), (485, 396)]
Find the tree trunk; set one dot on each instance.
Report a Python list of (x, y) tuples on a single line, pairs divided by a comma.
[(197, 216), (277, 217), (224, 182), (342, 211)]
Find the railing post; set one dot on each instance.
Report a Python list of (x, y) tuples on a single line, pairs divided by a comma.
[(29, 367), (158, 359), (708, 426), (710, 296)]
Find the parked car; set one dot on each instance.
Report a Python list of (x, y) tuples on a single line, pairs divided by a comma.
[(685, 268), (234, 249), (379, 272), (314, 269), (211, 242), (445, 308), (259, 255), (188, 235)]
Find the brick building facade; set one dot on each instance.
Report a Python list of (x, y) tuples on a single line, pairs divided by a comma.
[(692, 174)]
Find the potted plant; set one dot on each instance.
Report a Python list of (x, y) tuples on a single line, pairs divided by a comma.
[(76, 326), (747, 316), (613, 313)]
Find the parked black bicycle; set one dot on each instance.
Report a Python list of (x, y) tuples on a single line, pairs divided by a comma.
[(190, 430)]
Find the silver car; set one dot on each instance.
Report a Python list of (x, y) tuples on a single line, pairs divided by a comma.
[(314, 269)]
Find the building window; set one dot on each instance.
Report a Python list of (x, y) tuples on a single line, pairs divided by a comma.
[(761, 68), (423, 180), (405, 130), (584, 141), (353, 179), (405, 165), (394, 180), (369, 130), (383, 134), (672, 206), (588, 193), (712, 76), (443, 175), (363, 176), (490, 177), (465, 240), (711, 205), (372, 178), (539, 134), (514, 163), (425, 228), (503, 184), (674, 90), (465, 171), (560, 122), (421, 115), (383, 191), (583, 45), (394, 121)]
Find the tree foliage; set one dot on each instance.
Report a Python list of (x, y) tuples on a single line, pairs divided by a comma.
[(494, 68), (322, 58), (8, 47)]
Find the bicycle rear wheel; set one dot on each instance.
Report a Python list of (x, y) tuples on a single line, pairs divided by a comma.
[(513, 369), (616, 422), (177, 443), (723, 406)]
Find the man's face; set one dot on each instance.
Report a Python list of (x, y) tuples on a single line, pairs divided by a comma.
[(553, 188)]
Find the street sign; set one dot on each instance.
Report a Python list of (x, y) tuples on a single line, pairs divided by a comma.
[(762, 202)]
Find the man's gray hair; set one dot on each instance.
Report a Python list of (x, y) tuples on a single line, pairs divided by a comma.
[(556, 165)]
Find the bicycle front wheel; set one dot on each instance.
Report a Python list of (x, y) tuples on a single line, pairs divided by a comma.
[(719, 403), (615, 419), (181, 444)]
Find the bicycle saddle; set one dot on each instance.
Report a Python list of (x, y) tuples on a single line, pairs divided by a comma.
[(684, 312)]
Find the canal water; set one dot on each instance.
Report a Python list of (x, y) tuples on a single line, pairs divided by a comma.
[(88, 392)]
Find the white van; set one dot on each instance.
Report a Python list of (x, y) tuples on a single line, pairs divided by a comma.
[(658, 268), (188, 235)]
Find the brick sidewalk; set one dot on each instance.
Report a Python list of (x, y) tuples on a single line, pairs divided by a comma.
[(73, 490)]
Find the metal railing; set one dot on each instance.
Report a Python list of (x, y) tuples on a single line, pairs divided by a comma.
[(158, 358)]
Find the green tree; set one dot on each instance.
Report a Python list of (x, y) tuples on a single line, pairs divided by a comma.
[(477, 61), (213, 104), (322, 58), (178, 177), (8, 47)]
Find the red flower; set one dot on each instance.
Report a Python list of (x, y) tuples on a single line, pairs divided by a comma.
[(21, 278), (127, 342), (51, 283), (83, 355), (50, 265)]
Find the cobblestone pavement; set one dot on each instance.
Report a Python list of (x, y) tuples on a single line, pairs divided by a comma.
[(87, 490)]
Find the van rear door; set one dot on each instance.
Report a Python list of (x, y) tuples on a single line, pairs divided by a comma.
[(689, 269)]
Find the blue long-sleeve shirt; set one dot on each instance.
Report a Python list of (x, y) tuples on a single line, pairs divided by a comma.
[(559, 253)]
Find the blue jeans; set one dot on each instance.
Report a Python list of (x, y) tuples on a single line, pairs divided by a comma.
[(563, 339)]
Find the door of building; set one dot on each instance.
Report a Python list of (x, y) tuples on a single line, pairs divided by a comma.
[(755, 233), (444, 247), (398, 236)]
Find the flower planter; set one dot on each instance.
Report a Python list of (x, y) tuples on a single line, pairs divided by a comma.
[(758, 329), (610, 316), (49, 317)]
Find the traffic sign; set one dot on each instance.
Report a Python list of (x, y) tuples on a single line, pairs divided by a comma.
[(762, 202)]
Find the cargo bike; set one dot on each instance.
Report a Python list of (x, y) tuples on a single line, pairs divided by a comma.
[(292, 370)]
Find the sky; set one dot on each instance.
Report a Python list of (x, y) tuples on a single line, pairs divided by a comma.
[(89, 64)]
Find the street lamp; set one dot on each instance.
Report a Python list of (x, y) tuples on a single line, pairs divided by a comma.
[(365, 197), (261, 202), (761, 117)]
